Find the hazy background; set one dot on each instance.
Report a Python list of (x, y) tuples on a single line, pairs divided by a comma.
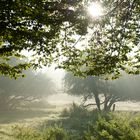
[(42, 94)]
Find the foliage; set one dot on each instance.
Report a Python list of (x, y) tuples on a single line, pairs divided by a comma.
[(52, 133), (98, 126), (13, 66), (22, 133), (111, 130), (103, 126), (113, 38), (103, 93), (95, 88), (74, 111), (135, 125), (49, 30), (39, 27), (77, 118), (56, 133)]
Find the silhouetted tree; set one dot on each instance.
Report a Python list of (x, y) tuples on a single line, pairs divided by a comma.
[(104, 93)]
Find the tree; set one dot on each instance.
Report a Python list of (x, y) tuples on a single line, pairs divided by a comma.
[(34, 26), (49, 29), (112, 45), (90, 88), (33, 87), (104, 93)]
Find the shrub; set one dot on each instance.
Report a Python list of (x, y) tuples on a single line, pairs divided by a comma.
[(135, 123), (26, 133), (81, 124), (75, 111), (55, 133), (110, 130), (51, 133)]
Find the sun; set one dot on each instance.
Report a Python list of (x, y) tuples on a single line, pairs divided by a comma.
[(95, 9)]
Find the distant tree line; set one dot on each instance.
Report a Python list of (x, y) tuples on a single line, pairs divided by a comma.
[(17, 93)]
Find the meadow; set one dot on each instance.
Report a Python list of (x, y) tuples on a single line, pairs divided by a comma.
[(73, 123)]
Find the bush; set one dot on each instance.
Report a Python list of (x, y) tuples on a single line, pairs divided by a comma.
[(75, 111), (55, 133), (52, 133), (135, 123), (80, 124), (113, 129), (26, 133)]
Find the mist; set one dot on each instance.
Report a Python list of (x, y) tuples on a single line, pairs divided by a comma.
[(47, 92)]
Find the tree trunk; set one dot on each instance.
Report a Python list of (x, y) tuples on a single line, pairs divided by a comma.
[(105, 105), (97, 100), (113, 107), (107, 98), (108, 104)]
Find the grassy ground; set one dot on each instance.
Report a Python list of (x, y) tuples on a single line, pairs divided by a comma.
[(22, 115), (32, 124), (24, 118)]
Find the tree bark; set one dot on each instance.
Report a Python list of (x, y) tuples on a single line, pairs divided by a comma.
[(97, 100)]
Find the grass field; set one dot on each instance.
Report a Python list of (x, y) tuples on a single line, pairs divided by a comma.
[(32, 124)]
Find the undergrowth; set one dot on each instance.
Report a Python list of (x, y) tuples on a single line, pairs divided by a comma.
[(77, 123)]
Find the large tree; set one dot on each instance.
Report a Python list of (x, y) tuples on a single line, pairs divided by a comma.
[(49, 28), (103, 93), (112, 44), (36, 26)]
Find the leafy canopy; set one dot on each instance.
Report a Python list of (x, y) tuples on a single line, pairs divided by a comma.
[(53, 30)]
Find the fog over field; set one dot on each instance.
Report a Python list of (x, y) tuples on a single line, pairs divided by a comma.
[(64, 99), (70, 70), (44, 93), (61, 98)]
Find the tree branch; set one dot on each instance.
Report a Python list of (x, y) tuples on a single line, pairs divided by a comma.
[(93, 104)]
